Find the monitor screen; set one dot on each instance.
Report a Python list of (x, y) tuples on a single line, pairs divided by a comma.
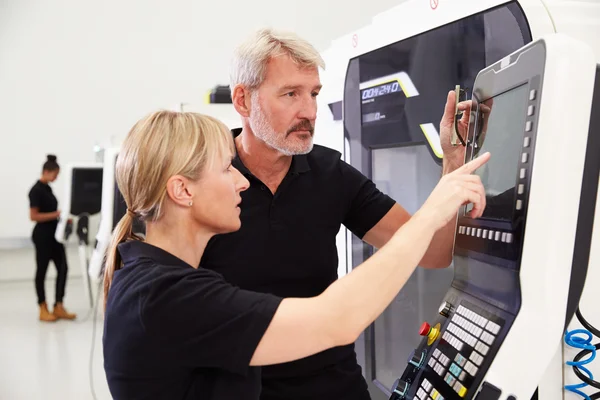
[(499, 130), (86, 191)]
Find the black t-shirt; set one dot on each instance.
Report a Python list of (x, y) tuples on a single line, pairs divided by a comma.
[(175, 332), (287, 246), (42, 198)]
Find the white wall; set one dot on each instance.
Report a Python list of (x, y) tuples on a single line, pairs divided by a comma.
[(75, 73)]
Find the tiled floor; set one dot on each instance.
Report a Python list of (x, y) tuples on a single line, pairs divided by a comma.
[(48, 360)]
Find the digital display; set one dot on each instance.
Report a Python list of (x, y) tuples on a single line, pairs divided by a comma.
[(381, 90), (500, 131), (382, 104)]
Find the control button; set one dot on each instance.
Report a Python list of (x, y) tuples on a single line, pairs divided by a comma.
[(528, 126), (521, 189), (435, 394), (509, 238), (444, 360), (484, 234), (487, 338), (473, 232), (497, 237), (426, 385), (526, 141), (519, 204), (482, 348), (522, 173), (401, 387), (450, 380), (532, 94), (417, 359), (461, 230), (425, 328), (503, 238), (439, 369), (421, 393), (445, 309), (470, 368), (530, 110), (462, 392), (460, 360), (524, 158), (462, 376), (478, 232), (491, 234), (436, 353), (432, 363), (493, 327), (455, 369), (468, 230)]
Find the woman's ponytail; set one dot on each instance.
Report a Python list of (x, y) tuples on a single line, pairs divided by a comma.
[(122, 232)]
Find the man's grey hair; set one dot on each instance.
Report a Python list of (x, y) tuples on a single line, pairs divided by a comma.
[(249, 63)]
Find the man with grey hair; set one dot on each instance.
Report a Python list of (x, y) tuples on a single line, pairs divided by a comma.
[(300, 194)]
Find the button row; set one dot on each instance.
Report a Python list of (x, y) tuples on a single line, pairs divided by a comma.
[(461, 334), (473, 316), (454, 342), (498, 236), (468, 326)]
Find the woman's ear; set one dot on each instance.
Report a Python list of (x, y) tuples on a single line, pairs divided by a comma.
[(178, 190)]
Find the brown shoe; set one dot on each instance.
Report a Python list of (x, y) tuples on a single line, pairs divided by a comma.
[(60, 312), (45, 314)]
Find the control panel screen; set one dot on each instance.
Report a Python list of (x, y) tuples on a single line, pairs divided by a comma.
[(500, 130), (382, 103)]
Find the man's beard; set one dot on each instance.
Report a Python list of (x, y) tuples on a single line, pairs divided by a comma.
[(264, 131)]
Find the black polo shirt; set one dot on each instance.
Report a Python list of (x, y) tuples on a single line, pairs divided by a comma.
[(175, 332), (42, 198), (287, 247)]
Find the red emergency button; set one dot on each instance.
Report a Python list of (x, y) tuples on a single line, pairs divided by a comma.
[(425, 328), (432, 333)]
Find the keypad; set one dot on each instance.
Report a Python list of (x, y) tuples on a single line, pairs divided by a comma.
[(471, 334)]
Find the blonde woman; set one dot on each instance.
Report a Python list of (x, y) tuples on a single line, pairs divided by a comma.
[(174, 330)]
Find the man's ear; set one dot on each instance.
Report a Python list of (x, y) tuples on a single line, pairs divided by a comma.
[(178, 190), (241, 100)]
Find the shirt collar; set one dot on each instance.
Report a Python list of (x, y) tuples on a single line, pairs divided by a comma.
[(299, 162), (133, 250)]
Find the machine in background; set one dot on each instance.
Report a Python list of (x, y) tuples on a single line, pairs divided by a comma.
[(82, 201)]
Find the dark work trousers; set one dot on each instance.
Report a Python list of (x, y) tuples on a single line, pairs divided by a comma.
[(46, 249)]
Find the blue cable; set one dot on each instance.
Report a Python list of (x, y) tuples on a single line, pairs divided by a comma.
[(583, 343)]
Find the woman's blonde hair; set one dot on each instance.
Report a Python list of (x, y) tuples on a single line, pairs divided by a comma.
[(159, 146), (250, 58)]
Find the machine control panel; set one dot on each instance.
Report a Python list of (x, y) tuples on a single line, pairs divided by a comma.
[(456, 350)]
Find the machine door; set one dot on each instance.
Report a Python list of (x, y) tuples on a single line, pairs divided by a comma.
[(394, 98)]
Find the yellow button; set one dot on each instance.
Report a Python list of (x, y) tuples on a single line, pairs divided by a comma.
[(462, 392), (435, 394)]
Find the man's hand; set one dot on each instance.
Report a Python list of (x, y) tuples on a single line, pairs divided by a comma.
[(454, 156)]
